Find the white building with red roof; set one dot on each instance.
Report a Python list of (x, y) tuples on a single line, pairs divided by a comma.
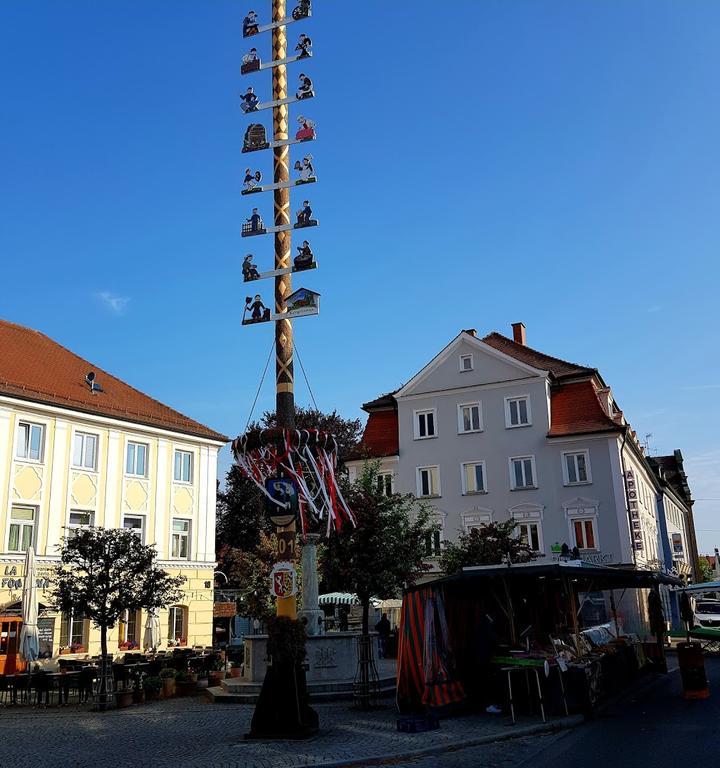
[(491, 429)]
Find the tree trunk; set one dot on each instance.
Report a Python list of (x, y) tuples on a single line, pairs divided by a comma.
[(103, 693), (365, 616)]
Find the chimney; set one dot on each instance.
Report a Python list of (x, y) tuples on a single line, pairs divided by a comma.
[(470, 331), (519, 333)]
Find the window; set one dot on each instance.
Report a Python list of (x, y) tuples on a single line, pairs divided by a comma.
[(425, 424), (517, 412), (177, 624), (80, 519), (433, 543), (128, 630), (385, 483), (473, 477), (466, 363), (30, 441), (522, 472), (584, 535), (22, 529), (73, 632), (180, 544), (428, 481), (530, 534), (576, 468), (469, 417), (85, 451), (136, 524), (136, 460), (183, 467)]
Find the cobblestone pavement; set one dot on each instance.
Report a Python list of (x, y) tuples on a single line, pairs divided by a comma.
[(195, 734)]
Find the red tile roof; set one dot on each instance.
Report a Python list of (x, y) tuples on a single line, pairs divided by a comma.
[(380, 437), (559, 368), (575, 410), (36, 368)]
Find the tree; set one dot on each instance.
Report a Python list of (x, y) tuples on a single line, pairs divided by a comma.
[(102, 573), (704, 570), (384, 551), (491, 544)]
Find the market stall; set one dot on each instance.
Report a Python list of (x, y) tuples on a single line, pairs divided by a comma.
[(498, 633)]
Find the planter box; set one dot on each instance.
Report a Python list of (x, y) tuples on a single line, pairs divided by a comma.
[(123, 699), (185, 689), (216, 678), (168, 689)]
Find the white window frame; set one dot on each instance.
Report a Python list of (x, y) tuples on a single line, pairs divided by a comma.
[(416, 423), (538, 524), (461, 365), (572, 519), (566, 473), (187, 534), (22, 523), (476, 518), (463, 477), (184, 452), (418, 481), (461, 422), (382, 482), (74, 526), (136, 443), (508, 422), (27, 443), (511, 468), (172, 617), (83, 436), (139, 517)]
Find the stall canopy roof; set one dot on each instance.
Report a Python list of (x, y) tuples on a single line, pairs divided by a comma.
[(596, 577), (706, 586)]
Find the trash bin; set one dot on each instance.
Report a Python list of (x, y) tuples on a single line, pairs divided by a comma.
[(692, 671)]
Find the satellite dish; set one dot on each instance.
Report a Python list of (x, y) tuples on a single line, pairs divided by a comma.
[(90, 378)]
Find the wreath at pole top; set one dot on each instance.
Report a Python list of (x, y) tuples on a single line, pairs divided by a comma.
[(306, 456)]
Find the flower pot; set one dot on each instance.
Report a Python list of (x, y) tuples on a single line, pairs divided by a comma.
[(235, 671), (138, 697), (216, 678), (188, 688), (168, 687), (202, 683), (123, 699)]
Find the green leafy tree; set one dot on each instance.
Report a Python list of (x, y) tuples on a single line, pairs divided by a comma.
[(491, 544), (102, 573), (384, 551), (704, 571)]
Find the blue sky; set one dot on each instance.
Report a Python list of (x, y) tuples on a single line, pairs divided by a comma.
[(480, 163)]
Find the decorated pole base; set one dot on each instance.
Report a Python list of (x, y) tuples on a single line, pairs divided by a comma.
[(282, 710)]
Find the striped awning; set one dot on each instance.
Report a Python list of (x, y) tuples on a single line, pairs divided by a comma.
[(345, 598)]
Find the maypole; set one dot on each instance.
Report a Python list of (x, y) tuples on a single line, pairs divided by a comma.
[(294, 469)]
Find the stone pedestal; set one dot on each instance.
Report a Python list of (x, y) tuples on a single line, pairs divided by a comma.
[(311, 614), (332, 656)]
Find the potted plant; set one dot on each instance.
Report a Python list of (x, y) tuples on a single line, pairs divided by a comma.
[(167, 676), (152, 686), (138, 691), (217, 673), (184, 684), (123, 698), (203, 680), (235, 669)]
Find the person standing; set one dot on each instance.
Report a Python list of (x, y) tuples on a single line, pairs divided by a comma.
[(383, 630)]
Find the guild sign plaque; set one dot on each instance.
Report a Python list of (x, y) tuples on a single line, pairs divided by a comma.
[(283, 580), (283, 510)]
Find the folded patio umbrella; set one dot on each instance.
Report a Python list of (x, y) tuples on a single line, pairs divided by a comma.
[(29, 639)]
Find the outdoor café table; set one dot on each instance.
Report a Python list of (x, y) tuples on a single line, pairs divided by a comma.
[(525, 664)]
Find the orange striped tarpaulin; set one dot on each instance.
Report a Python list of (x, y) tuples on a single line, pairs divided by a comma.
[(423, 676)]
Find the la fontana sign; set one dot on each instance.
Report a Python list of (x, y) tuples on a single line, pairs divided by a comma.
[(11, 580)]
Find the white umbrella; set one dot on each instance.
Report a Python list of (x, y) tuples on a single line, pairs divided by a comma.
[(29, 639), (151, 638)]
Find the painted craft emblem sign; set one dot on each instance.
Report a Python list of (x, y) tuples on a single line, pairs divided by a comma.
[(282, 507), (283, 580)]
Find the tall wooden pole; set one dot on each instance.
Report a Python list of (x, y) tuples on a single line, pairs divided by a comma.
[(285, 402), (284, 394)]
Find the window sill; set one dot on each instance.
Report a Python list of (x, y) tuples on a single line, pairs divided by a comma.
[(517, 426), (184, 482), (427, 437), (93, 470), (29, 461), (470, 431), (474, 493), (135, 477), (573, 485), (525, 488), (431, 496)]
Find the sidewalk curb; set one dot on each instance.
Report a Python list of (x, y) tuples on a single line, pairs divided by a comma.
[(560, 724)]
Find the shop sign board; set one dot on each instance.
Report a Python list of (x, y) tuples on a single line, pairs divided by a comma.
[(632, 496)]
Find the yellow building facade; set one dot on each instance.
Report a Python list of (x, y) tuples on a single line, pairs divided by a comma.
[(64, 467)]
